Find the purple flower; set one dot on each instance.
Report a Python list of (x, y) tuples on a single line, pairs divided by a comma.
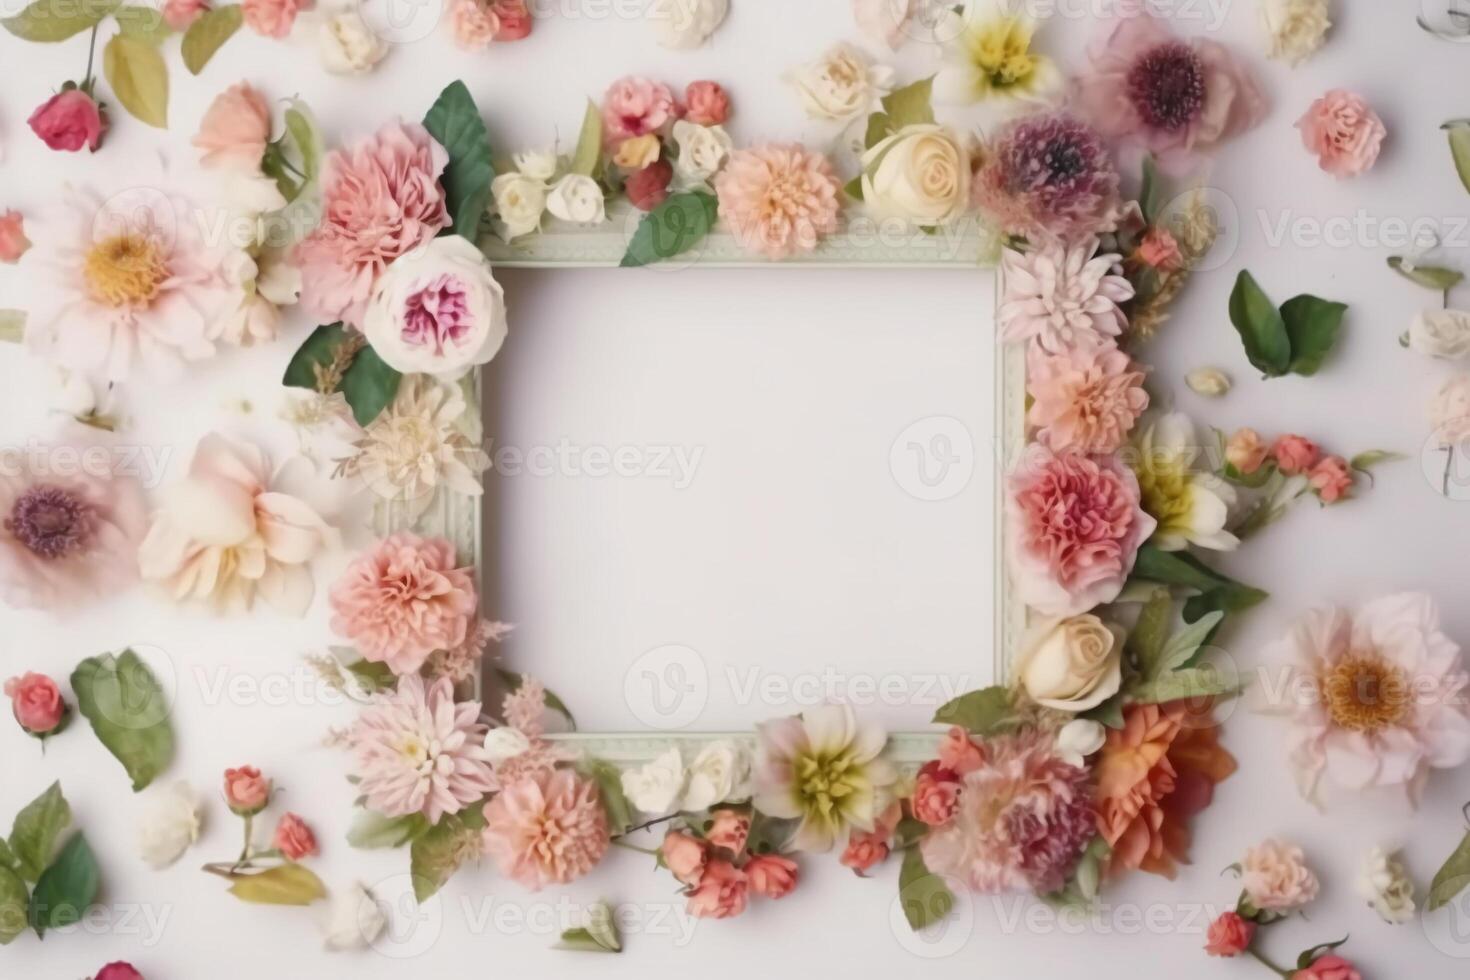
[(1049, 176)]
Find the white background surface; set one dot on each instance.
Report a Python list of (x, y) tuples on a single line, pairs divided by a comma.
[(796, 385)]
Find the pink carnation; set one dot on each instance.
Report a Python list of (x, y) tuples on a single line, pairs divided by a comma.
[(475, 24), (1085, 402), (1344, 133), (1074, 526), (634, 106), (546, 829), (404, 600), (380, 200), (272, 18), (706, 103), (936, 794), (779, 199)]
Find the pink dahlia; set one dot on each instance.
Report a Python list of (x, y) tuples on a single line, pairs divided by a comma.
[(779, 199), (1059, 297), (404, 600), (1083, 401), (379, 200), (1178, 99), (1074, 525), (635, 106), (1024, 818), (417, 751), (68, 533), (545, 829), (1049, 175), (1377, 696)]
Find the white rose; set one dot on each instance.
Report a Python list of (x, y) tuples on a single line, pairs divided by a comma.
[(1441, 333), (503, 744), (684, 24), (840, 85), (170, 826), (463, 337), (654, 788), (720, 773), (1387, 887), (1449, 411), (703, 150), (921, 174), (346, 44), (578, 198), (1295, 29), (519, 201), (355, 920), (536, 164), (1079, 739), (1072, 664)]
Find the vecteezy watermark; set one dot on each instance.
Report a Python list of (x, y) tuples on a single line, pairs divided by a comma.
[(1363, 229), (38, 461), (142, 923), (667, 687), (676, 464), (933, 458)]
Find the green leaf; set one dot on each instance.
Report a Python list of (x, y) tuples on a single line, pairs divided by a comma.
[(374, 677), (36, 830), (926, 899), (674, 227), (302, 127), (911, 105), (854, 188), (143, 23), (1180, 568), (138, 77), (1310, 956), (1184, 646), (368, 384), (609, 781), (1108, 714), (1261, 327), (880, 127), (981, 712), (1312, 325), (7, 856), (512, 682), (1151, 633), (1432, 277), (1365, 461), (67, 888), (47, 21), (128, 711), (438, 852), (373, 831), (1192, 682), (1452, 878), (1459, 134), (589, 143), (285, 884), (1151, 192), (1227, 599), (14, 906), (208, 34), (600, 935), (909, 832), (455, 122)]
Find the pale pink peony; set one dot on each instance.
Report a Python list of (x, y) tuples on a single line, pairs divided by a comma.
[(417, 751), (633, 106), (1177, 99), (379, 200), (13, 240), (68, 533), (1024, 818), (404, 600), (779, 199), (1377, 696), (1074, 525), (1344, 132), (546, 829), (1085, 402), (272, 18), (1059, 298), (1275, 877), (475, 25), (235, 129)]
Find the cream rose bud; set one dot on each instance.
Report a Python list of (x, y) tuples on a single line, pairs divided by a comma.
[(684, 24), (703, 150), (578, 198), (519, 201), (921, 174), (1441, 333), (1073, 664), (536, 164), (1079, 739), (169, 827), (437, 310), (840, 85), (355, 919), (347, 46), (1295, 29)]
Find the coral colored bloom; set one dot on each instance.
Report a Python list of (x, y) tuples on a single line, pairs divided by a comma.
[(706, 103), (272, 18), (246, 790), (1048, 176), (404, 600), (1329, 967), (1344, 133), (515, 19), (1085, 401), (546, 829), (1229, 935), (1275, 877), (649, 187), (684, 855), (1246, 451), (475, 24), (771, 875), (959, 753), (729, 829), (1160, 250), (721, 892), (1295, 454), (70, 120), (1332, 478), (867, 849), (180, 14), (235, 129), (633, 106), (936, 794), (294, 839), (118, 971), (13, 240), (779, 199), (36, 703)]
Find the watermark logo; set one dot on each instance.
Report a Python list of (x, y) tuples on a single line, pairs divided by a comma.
[(934, 458), (667, 687)]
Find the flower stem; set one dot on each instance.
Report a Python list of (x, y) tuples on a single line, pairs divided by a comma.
[(644, 826), (1261, 958), (650, 851), (244, 858), (91, 58)]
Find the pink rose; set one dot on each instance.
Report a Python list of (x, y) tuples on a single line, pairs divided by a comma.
[(958, 752), (684, 856), (514, 17), (273, 18), (729, 830), (634, 106), (13, 240), (936, 794), (70, 120), (771, 875), (118, 971), (1332, 478), (36, 702), (179, 14), (649, 187), (1229, 935), (294, 838), (235, 129), (1295, 454), (706, 103), (1344, 132), (721, 892), (1160, 250), (246, 791), (865, 851), (1328, 967), (1245, 450)]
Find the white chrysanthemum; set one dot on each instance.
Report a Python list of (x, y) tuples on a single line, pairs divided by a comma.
[(1385, 883), (1060, 298)]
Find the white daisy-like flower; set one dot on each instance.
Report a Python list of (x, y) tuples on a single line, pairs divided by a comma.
[(1059, 298), (1191, 506)]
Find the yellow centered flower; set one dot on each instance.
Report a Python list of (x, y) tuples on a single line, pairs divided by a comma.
[(825, 782), (987, 53), (1365, 693), (125, 270), (1001, 50), (1166, 493)]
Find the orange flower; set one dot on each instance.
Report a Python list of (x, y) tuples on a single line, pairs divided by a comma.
[(1155, 773)]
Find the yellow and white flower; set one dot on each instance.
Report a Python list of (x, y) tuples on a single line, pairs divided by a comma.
[(1387, 887), (1191, 506), (840, 85), (1295, 29), (921, 174), (987, 54)]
